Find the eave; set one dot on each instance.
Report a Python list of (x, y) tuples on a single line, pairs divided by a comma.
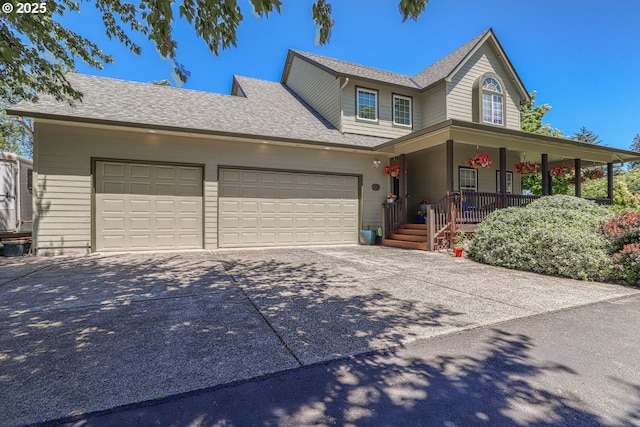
[(488, 136)]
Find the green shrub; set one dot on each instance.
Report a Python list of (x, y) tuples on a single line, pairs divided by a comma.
[(554, 235), (623, 198), (632, 179)]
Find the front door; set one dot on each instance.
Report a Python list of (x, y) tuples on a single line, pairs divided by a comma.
[(7, 196)]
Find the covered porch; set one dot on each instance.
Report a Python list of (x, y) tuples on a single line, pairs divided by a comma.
[(433, 164)]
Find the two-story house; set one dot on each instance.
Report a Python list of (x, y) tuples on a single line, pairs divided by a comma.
[(300, 162)]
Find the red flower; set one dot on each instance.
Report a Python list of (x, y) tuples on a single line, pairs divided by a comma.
[(393, 170), (526, 167), (480, 160)]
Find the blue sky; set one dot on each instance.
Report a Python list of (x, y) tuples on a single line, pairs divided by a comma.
[(581, 56)]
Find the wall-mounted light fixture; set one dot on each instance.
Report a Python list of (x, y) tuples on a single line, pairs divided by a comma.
[(376, 163)]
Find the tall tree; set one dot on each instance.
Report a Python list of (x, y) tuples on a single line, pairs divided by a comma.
[(635, 146), (36, 49), (586, 135), (16, 134), (531, 118)]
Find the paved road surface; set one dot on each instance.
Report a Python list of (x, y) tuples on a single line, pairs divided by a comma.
[(577, 367)]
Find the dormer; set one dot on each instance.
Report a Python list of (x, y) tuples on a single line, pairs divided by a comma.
[(478, 83), (475, 83)]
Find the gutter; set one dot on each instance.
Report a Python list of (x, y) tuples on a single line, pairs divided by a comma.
[(203, 132)]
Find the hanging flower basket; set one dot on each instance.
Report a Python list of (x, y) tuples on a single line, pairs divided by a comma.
[(593, 174), (526, 167), (562, 171), (480, 161), (393, 170)]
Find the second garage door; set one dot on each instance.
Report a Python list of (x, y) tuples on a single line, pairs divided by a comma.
[(271, 208), (147, 206)]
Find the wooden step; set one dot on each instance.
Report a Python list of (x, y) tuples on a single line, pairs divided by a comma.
[(415, 226), (468, 228), (408, 237), (406, 245), (412, 231)]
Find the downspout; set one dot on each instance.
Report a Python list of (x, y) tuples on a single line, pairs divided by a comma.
[(346, 82)]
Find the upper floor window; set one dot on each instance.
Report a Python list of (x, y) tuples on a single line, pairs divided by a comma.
[(492, 102), (367, 104), (402, 114)]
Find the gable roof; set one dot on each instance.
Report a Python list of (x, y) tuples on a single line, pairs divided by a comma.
[(443, 69), (269, 110), (337, 67)]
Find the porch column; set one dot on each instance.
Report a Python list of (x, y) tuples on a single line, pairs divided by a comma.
[(610, 182), (545, 175), (402, 186), (449, 155), (503, 177), (578, 167)]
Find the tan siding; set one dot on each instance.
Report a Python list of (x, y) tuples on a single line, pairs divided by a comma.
[(426, 176), (486, 176), (318, 88), (433, 105), (63, 211), (65, 152), (426, 172), (460, 89), (384, 127)]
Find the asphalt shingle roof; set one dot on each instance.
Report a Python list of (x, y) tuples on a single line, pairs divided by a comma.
[(349, 68), (269, 110), (425, 78), (442, 68)]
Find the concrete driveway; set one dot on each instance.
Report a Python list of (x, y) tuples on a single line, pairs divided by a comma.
[(91, 333)]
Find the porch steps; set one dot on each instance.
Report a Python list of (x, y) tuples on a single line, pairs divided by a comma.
[(409, 236)]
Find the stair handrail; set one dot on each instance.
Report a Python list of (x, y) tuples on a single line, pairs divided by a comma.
[(392, 217)]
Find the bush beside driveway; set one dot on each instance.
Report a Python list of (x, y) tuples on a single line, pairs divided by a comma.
[(91, 333)]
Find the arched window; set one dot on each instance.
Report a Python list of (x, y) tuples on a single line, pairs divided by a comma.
[(492, 102)]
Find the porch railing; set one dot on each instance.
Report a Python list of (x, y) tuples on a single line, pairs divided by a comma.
[(602, 200), (392, 217), (476, 206), (439, 223)]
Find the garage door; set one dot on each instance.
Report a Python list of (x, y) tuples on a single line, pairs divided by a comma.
[(148, 206), (270, 208)]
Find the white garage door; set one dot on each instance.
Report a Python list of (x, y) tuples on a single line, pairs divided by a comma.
[(270, 208), (148, 206)]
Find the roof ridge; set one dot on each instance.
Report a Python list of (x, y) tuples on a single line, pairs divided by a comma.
[(341, 66), (145, 84), (448, 63)]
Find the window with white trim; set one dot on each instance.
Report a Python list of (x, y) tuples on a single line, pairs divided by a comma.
[(402, 110), (509, 182), (367, 104), (468, 179), (492, 102)]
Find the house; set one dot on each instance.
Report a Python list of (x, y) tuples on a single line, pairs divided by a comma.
[(297, 162)]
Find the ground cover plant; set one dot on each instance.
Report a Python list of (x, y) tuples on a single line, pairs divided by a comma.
[(623, 232), (555, 235)]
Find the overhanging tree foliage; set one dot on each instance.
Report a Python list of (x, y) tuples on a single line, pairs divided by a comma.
[(36, 50), (531, 118), (16, 135)]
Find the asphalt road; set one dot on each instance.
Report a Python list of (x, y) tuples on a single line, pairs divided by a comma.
[(576, 367)]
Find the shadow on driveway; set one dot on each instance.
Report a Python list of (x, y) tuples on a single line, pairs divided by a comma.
[(498, 385), (92, 333)]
